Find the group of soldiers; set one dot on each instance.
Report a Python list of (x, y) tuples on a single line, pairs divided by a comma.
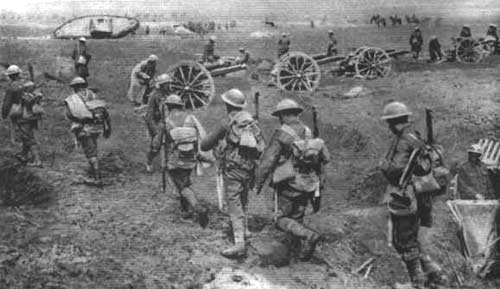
[(435, 51)]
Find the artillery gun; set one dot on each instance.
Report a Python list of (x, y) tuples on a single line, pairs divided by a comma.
[(297, 71), (469, 50), (193, 80)]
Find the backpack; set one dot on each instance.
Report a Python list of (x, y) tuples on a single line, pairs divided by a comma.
[(94, 110), (244, 131), (306, 152), (185, 140)]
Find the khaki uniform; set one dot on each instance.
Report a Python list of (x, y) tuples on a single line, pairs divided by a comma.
[(475, 178), (332, 46), (81, 58), (293, 196), (283, 46), (209, 52), (140, 78), (154, 123)]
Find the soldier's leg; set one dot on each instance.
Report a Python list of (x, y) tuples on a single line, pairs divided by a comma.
[(30, 142), (292, 210), (154, 149), (234, 189), (89, 146), (405, 241), (189, 202)]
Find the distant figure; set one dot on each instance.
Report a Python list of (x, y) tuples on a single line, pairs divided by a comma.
[(474, 179), (492, 34), (141, 80), (81, 58), (245, 56), (283, 45), (332, 44), (466, 32), (209, 50), (416, 42), (312, 23), (147, 30), (435, 52)]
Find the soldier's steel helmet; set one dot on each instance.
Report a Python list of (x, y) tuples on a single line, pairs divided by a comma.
[(82, 39), (153, 58), (493, 25), (13, 69), (234, 97), (394, 110), (475, 148), (174, 99), (287, 105), (242, 49), (163, 78), (212, 38), (77, 80), (330, 31)]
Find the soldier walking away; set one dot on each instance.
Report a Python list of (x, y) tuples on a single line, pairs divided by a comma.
[(240, 144), (209, 51), (245, 56), (435, 51), (332, 44), (283, 44), (82, 58), (181, 146), (89, 118), (296, 160), (416, 42), (155, 117), (141, 81), (466, 32), (474, 178), (21, 105), (408, 209)]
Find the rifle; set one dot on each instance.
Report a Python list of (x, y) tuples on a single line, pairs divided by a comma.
[(163, 155), (316, 200), (428, 124), (257, 94)]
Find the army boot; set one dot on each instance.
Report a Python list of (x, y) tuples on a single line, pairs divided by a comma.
[(238, 250), (202, 216), (433, 272), (95, 174), (310, 237), (415, 273)]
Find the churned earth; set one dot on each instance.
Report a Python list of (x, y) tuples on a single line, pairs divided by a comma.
[(56, 232)]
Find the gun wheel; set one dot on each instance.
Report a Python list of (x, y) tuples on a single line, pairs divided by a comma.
[(193, 83), (297, 71), (372, 62), (469, 51)]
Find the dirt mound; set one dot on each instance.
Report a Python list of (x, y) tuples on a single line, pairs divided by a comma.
[(116, 162), (370, 188), (22, 186)]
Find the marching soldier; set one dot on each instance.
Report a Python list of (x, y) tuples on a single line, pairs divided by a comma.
[(295, 177), (474, 179), (416, 42), (81, 58), (283, 45), (18, 105), (332, 44), (240, 144), (209, 50), (182, 136), (89, 118), (140, 80), (407, 210), (155, 117)]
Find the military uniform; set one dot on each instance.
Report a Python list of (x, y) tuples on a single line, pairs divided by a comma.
[(283, 46), (209, 52), (465, 33), (81, 58), (435, 50), (332, 46), (140, 79), (293, 195), (474, 178), (416, 42), (154, 121)]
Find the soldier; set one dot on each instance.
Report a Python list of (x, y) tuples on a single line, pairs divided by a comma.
[(18, 105), (155, 116), (435, 52), (209, 50), (140, 80), (492, 33), (416, 42), (283, 45), (89, 117), (182, 135), (245, 56), (240, 144), (407, 211), (295, 179), (81, 58), (466, 32), (474, 179), (332, 44)]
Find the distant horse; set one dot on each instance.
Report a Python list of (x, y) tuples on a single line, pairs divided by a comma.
[(412, 20), (379, 20), (396, 20), (270, 23)]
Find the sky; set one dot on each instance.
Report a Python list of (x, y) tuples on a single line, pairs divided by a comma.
[(259, 8)]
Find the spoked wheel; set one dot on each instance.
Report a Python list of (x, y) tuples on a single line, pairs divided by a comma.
[(297, 71), (469, 51), (193, 83), (372, 62)]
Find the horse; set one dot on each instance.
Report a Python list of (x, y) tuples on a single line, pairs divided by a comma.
[(395, 20), (379, 20), (269, 23)]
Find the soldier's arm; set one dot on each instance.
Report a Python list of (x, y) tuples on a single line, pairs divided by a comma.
[(269, 160), (7, 103), (212, 139), (152, 103)]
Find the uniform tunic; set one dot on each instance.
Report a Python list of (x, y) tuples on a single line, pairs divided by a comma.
[(140, 77), (81, 58), (475, 178), (283, 46)]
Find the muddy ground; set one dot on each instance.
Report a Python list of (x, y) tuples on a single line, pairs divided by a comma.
[(58, 233)]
